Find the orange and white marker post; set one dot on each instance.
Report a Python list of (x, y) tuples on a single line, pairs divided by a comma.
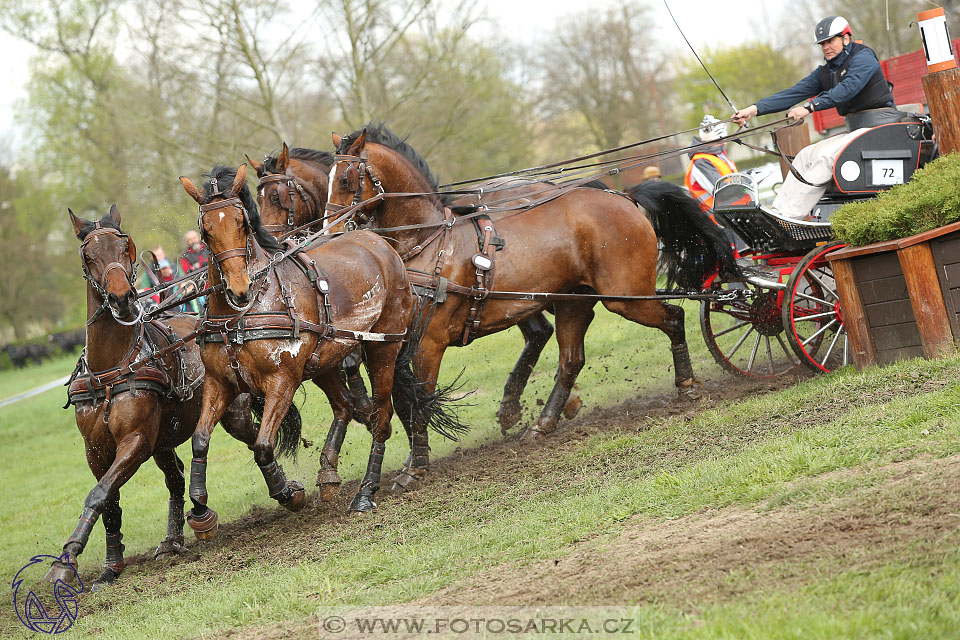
[(942, 84)]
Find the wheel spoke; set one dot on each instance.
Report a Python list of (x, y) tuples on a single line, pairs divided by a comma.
[(800, 294), (823, 284), (740, 342), (791, 356), (770, 356), (830, 349), (753, 352), (726, 331), (825, 314), (846, 349), (819, 331)]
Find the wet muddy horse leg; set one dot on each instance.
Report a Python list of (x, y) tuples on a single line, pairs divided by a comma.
[(216, 398), (417, 464), (288, 493), (381, 359), (328, 480), (536, 332), (573, 318), (172, 467), (362, 405), (104, 500)]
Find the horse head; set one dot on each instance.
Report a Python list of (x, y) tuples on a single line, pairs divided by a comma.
[(108, 258), (226, 227), (348, 185), (292, 190)]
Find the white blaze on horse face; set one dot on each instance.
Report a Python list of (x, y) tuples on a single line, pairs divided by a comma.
[(221, 217), (333, 173)]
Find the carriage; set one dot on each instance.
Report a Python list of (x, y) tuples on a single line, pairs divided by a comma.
[(788, 313)]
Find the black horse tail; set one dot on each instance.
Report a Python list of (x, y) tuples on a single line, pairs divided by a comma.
[(439, 409), (288, 437), (693, 246)]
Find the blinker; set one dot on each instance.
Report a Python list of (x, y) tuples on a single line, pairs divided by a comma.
[(482, 262)]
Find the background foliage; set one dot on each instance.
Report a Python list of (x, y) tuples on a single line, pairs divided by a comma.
[(126, 95)]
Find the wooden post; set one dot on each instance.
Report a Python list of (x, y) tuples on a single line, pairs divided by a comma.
[(791, 140), (943, 99), (926, 299), (942, 86)]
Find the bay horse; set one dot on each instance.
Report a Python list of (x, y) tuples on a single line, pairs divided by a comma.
[(128, 413), (583, 240), (292, 192), (295, 319)]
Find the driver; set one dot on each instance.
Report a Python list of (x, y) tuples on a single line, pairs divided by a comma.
[(850, 80)]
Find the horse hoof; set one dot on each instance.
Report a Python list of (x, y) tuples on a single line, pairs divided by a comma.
[(689, 390), (532, 435), (328, 492), (409, 479), (362, 504), (508, 416), (65, 571), (572, 408), (169, 548), (106, 579), (297, 499), (205, 526)]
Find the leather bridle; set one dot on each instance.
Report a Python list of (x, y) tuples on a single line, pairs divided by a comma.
[(246, 251), (361, 163), (293, 188), (99, 287)]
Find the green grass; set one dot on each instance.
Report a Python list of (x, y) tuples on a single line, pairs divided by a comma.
[(17, 381), (767, 452), (44, 477)]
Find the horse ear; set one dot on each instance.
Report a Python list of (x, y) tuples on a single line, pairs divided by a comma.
[(283, 159), (78, 223), (257, 166), (191, 190), (336, 140), (115, 214), (239, 181), (357, 145)]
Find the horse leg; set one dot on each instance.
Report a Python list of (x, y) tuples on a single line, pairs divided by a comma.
[(362, 405), (172, 467), (288, 493), (216, 398), (536, 333), (669, 319), (104, 499), (342, 404), (381, 359), (417, 464), (573, 318)]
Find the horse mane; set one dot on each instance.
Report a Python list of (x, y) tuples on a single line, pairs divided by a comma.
[(322, 158), (380, 133), (225, 176), (106, 221)]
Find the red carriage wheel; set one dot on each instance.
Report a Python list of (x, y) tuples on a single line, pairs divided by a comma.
[(746, 336), (812, 315)]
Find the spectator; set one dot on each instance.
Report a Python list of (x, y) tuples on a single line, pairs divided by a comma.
[(651, 173), (195, 255), (709, 163)]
